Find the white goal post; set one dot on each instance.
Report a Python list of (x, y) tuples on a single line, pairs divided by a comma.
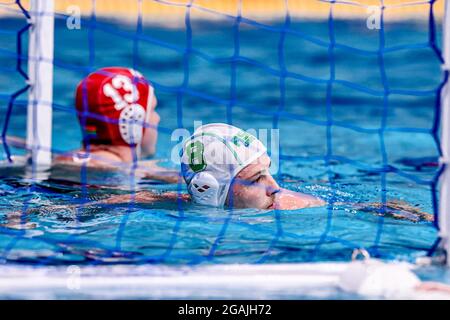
[(40, 73), (444, 198)]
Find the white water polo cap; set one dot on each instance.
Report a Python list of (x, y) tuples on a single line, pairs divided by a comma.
[(213, 156)]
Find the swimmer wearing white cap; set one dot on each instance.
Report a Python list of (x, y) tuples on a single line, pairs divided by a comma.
[(225, 166)]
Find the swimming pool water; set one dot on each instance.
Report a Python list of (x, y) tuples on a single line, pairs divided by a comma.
[(372, 158)]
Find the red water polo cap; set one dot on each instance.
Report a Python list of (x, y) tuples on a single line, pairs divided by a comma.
[(112, 106)]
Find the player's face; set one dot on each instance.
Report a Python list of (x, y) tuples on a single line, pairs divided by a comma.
[(150, 136), (254, 186)]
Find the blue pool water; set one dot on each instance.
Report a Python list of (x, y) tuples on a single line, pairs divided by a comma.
[(363, 167)]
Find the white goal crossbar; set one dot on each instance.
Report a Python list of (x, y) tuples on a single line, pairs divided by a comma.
[(444, 197)]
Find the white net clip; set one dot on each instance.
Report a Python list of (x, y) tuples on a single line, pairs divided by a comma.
[(444, 161), (360, 252)]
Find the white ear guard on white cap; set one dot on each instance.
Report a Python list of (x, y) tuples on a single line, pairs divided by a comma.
[(204, 188), (213, 156)]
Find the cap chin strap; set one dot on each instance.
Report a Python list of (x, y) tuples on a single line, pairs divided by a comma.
[(138, 151), (206, 190), (150, 98)]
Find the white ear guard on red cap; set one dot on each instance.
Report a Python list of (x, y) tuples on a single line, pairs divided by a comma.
[(213, 156)]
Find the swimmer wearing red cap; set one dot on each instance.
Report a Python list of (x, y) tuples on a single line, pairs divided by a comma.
[(116, 110)]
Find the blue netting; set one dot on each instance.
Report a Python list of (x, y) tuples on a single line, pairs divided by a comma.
[(19, 56), (181, 51)]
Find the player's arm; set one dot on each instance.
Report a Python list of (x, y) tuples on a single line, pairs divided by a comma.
[(19, 220), (143, 197), (396, 209), (149, 169), (14, 141)]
